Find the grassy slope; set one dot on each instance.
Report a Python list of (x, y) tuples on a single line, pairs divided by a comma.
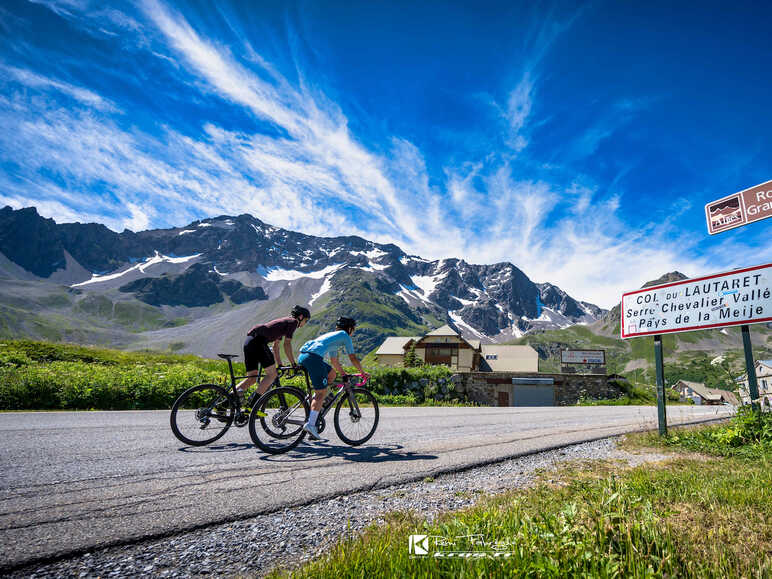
[(363, 296), (54, 312)]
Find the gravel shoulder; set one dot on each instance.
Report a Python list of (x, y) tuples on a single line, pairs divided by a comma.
[(288, 537)]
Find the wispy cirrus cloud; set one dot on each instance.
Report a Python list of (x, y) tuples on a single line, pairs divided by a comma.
[(37, 81), (312, 173)]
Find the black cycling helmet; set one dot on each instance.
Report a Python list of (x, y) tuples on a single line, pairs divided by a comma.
[(344, 323), (298, 311)]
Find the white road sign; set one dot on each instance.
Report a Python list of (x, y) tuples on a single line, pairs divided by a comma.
[(742, 296)]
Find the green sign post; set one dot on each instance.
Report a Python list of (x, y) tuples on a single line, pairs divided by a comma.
[(734, 298), (750, 366), (661, 398)]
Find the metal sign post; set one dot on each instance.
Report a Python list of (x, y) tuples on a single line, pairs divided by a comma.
[(661, 416), (750, 366), (734, 298)]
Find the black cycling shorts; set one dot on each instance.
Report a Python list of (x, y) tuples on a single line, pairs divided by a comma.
[(257, 353)]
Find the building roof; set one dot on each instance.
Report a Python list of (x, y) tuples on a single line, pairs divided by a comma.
[(445, 330), (730, 397), (701, 389), (474, 343), (501, 358), (394, 345), (712, 394)]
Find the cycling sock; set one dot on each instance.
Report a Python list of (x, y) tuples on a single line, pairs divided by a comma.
[(312, 416)]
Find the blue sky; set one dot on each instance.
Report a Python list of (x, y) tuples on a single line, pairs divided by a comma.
[(578, 141)]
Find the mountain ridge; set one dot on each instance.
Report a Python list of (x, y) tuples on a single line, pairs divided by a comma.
[(232, 254)]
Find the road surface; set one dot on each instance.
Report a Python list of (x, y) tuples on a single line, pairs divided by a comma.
[(73, 481)]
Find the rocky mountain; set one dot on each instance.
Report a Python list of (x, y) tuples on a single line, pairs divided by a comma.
[(196, 286), (210, 270), (608, 324)]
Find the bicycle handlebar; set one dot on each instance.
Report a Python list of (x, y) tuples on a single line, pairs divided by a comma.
[(364, 378)]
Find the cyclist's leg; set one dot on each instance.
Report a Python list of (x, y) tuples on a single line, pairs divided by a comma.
[(252, 363), (268, 379), (320, 393), (319, 373), (257, 354)]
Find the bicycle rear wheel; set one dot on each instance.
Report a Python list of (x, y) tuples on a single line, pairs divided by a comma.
[(202, 414), (277, 419), (356, 416)]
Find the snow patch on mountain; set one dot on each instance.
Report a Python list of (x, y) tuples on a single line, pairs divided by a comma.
[(326, 285), (462, 324), (372, 267), (279, 274), (374, 253), (141, 267), (467, 302), (426, 283), (411, 295)]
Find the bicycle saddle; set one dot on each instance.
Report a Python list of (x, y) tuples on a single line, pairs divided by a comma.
[(228, 356)]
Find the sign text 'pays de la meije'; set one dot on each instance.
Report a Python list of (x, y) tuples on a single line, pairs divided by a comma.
[(747, 206), (742, 296)]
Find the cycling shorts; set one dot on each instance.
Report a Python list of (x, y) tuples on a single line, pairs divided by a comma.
[(318, 369), (257, 353)]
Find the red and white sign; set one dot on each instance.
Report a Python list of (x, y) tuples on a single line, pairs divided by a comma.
[(740, 208), (733, 298)]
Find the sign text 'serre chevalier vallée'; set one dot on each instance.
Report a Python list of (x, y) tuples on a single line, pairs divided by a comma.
[(742, 296)]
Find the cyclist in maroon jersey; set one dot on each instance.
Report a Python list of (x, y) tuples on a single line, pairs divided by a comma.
[(258, 353)]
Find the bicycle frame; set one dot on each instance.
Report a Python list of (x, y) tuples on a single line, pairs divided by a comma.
[(281, 370), (343, 388)]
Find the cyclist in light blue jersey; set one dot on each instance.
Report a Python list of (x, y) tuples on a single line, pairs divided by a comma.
[(311, 357)]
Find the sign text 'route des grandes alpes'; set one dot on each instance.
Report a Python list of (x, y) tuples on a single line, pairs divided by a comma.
[(742, 296)]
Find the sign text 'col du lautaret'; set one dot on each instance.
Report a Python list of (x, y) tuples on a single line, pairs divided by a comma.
[(742, 296)]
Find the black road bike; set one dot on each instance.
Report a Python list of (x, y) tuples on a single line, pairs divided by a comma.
[(277, 418), (204, 413)]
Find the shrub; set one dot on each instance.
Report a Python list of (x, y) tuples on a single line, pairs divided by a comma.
[(748, 434)]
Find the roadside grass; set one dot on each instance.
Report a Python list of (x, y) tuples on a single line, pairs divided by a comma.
[(692, 515), (747, 435), (59, 376)]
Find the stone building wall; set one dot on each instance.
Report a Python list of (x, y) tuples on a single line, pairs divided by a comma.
[(484, 387)]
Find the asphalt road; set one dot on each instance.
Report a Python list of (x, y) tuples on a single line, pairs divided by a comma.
[(74, 481)]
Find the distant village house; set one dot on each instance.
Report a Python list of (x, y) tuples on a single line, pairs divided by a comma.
[(702, 395), (764, 382), (446, 346)]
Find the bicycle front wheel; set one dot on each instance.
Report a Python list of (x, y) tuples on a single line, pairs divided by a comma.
[(277, 419), (202, 414), (356, 416)]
